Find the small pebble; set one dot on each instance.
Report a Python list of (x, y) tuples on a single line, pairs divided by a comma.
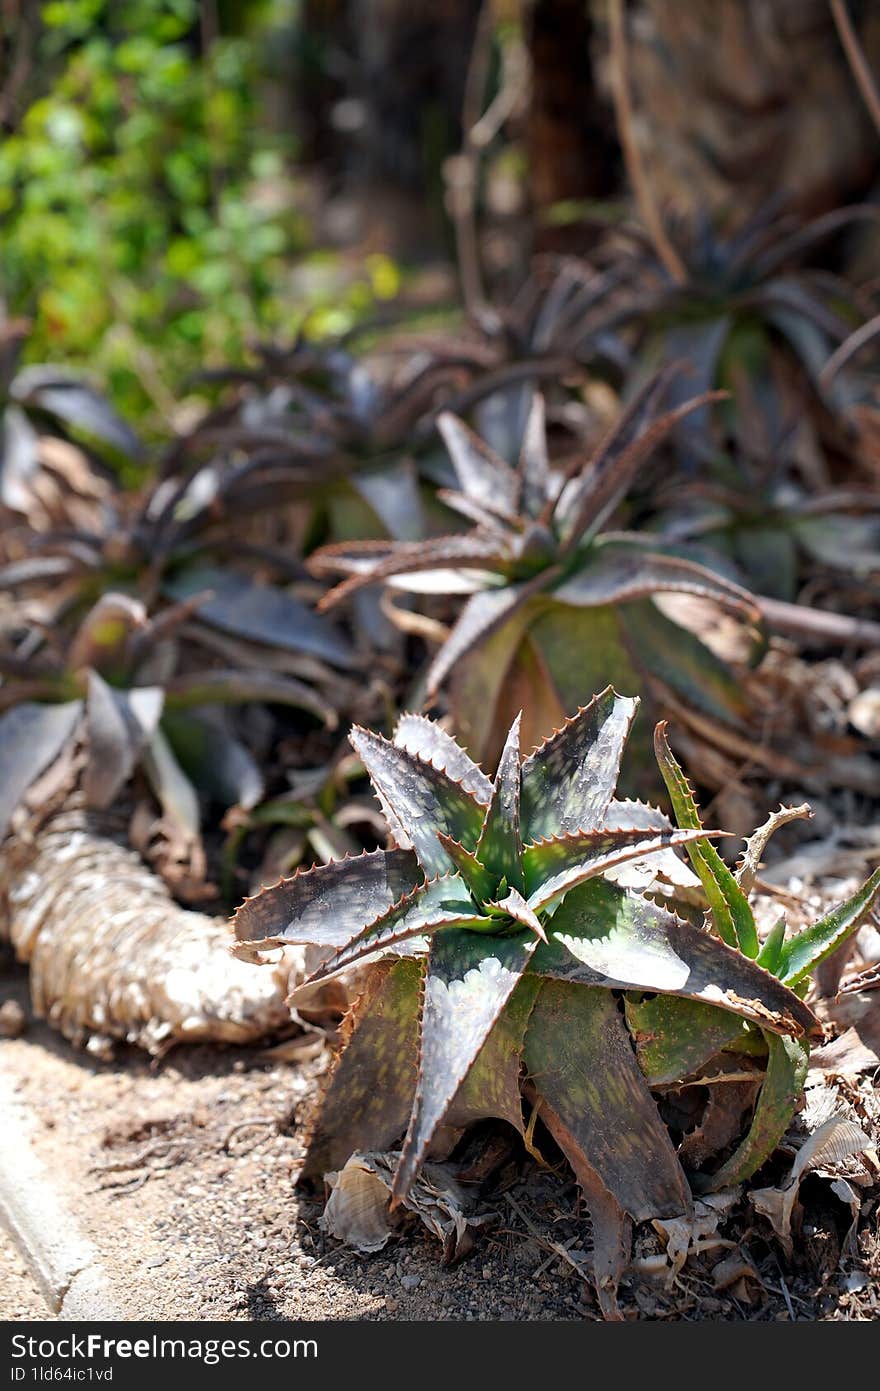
[(410, 1282), (13, 1020)]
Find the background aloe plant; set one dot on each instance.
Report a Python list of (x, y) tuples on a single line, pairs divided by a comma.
[(560, 603), (502, 942)]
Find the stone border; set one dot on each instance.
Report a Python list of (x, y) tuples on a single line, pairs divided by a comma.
[(63, 1262)]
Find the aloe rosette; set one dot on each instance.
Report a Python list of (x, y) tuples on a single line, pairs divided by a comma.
[(512, 956), (557, 602)]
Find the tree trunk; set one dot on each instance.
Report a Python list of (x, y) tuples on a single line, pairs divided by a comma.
[(740, 101), (570, 139), (112, 956)]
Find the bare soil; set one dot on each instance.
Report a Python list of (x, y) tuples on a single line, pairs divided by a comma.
[(182, 1173)]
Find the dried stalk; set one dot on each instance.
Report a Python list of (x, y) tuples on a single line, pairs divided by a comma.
[(632, 158), (112, 956), (857, 61)]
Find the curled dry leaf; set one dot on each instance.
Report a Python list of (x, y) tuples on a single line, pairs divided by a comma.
[(357, 1211), (834, 1141)]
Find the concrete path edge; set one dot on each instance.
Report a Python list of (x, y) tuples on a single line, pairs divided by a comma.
[(34, 1211)]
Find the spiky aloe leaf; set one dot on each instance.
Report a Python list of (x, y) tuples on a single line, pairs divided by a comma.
[(231, 687), (756, 844), (419, 799), (554, 867), (513, 905), (588, 502), (569, 781), (484, 476), (662, 650), (770, 954), (605, 935), (31, 737), (429, 741), (579, 1056), (368, 562), (482, 615), (534, 465), (469, 980), (369, 1099), (803, 953), (787, 1064), (620, 574), (319, 906), (732, 916), (675, 1037), (443, 902), (663, 864), (500, 846), (260, 613), (491, 1088), (481, 881), (119, 725)]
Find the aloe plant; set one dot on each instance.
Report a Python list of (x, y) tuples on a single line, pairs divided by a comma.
[(51, 422), (559, 603), (750, 313), (507, 959)]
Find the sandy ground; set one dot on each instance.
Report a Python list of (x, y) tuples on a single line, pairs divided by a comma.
[(19, 1296), (182, 1174)]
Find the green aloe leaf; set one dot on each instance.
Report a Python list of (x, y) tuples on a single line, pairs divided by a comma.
[(605, 935), (664, 650), (418, 800), (619, 574), (443, 902), (579, 1056), (484, 476), (787, 1063), (513, 905), (491, 1088), (419, 566), (534, 464), (231, 687), (469, 980), (674, 1037), (369, 1100), (500, 845), (483, 614), (569, 781), (260, 613), (482, 882), (554, 867), (307, 908), (732, 916), (803, 953), (586, 505), (429, 741), (770, 955)]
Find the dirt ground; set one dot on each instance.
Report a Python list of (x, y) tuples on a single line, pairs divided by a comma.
[(182, 1174)]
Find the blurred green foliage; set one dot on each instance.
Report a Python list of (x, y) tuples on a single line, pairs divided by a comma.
[(147, 215)]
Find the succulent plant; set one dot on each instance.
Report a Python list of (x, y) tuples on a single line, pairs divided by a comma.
[(315, 423), (508, 960), (750, 314), (560, 604), (772, 529), (51, 421)]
